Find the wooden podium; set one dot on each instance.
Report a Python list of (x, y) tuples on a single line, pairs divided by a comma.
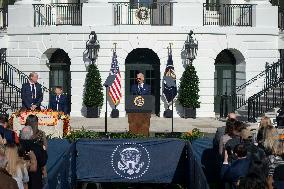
[(139, 108)]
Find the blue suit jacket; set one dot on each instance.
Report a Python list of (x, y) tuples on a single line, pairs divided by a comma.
[(235, 171), (26, 94), (146, 90), (62, 104)]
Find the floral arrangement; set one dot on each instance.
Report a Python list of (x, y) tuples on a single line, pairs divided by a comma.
[(191, 135), (53, 116)]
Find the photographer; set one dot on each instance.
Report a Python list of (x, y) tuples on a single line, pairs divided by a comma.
[(28, 144)]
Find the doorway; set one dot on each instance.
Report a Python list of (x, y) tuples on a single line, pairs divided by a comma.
[(147, 62), (59, 73), (224, 79)]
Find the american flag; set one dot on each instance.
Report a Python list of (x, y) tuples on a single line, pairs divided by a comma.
[(115, 88)]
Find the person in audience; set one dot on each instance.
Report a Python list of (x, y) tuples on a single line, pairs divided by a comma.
[(17, 167), (6, 134), (29, 144), (58, 102), (236, 139), (227, 136), (31, 93), (280, 116), (253, 150), (266, 135), (239, 168), (221, 130), (252, 181), (38, 135), (277, 156), (6, 180)]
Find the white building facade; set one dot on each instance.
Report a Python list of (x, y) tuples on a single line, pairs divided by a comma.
[(234, 44)]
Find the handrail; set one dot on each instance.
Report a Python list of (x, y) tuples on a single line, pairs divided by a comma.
[(23, 78), (10, 90), (268, 67), (261, 102)]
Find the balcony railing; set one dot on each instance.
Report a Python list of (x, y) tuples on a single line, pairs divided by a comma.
[(159, 14), (3, 18), (57, 14), (227, 14), (281, 19)]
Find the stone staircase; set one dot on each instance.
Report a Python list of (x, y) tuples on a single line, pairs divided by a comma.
[(266, 101), (11, 80)]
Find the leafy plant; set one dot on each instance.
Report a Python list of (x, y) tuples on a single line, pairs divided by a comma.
[(93, 96), (87, 134), (189, 88)]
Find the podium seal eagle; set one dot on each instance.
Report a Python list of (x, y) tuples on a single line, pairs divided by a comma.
[(139, 101), (130, 160)]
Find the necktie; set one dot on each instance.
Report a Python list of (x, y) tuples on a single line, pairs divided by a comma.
[(57, 101), (140, 89), (33, 91)]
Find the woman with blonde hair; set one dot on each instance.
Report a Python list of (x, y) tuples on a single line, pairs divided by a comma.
[(266, 135), (17, 167), (276, 161)]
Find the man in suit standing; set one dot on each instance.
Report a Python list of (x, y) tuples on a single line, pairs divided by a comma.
[(58, 102), (31, 93), (140, 88)]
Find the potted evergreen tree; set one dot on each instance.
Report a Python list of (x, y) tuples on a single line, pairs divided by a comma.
[(188, 92), (93, 96)]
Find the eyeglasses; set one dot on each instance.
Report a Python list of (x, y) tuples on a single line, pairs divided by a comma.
[(138, 78)]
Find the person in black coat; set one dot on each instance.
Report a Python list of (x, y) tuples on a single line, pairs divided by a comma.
[(140, 88), (31, 93), (280, 117), (58, 102)]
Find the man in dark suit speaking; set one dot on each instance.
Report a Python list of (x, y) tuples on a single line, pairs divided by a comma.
[(140, 88), (31, 93)]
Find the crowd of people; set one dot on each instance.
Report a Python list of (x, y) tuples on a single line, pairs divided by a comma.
[(22, 159), (248, 160)]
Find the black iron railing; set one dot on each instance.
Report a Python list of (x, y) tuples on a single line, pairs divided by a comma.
[(267, 79), (281, 19), (160, 14), (11, 80), (227, 14), (272, 94), (57, 14), (3, 18)]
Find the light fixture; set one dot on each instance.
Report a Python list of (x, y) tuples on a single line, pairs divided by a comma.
[(191, 47), (93, 46)]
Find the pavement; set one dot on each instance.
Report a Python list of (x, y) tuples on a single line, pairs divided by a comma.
[(158, 124)]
